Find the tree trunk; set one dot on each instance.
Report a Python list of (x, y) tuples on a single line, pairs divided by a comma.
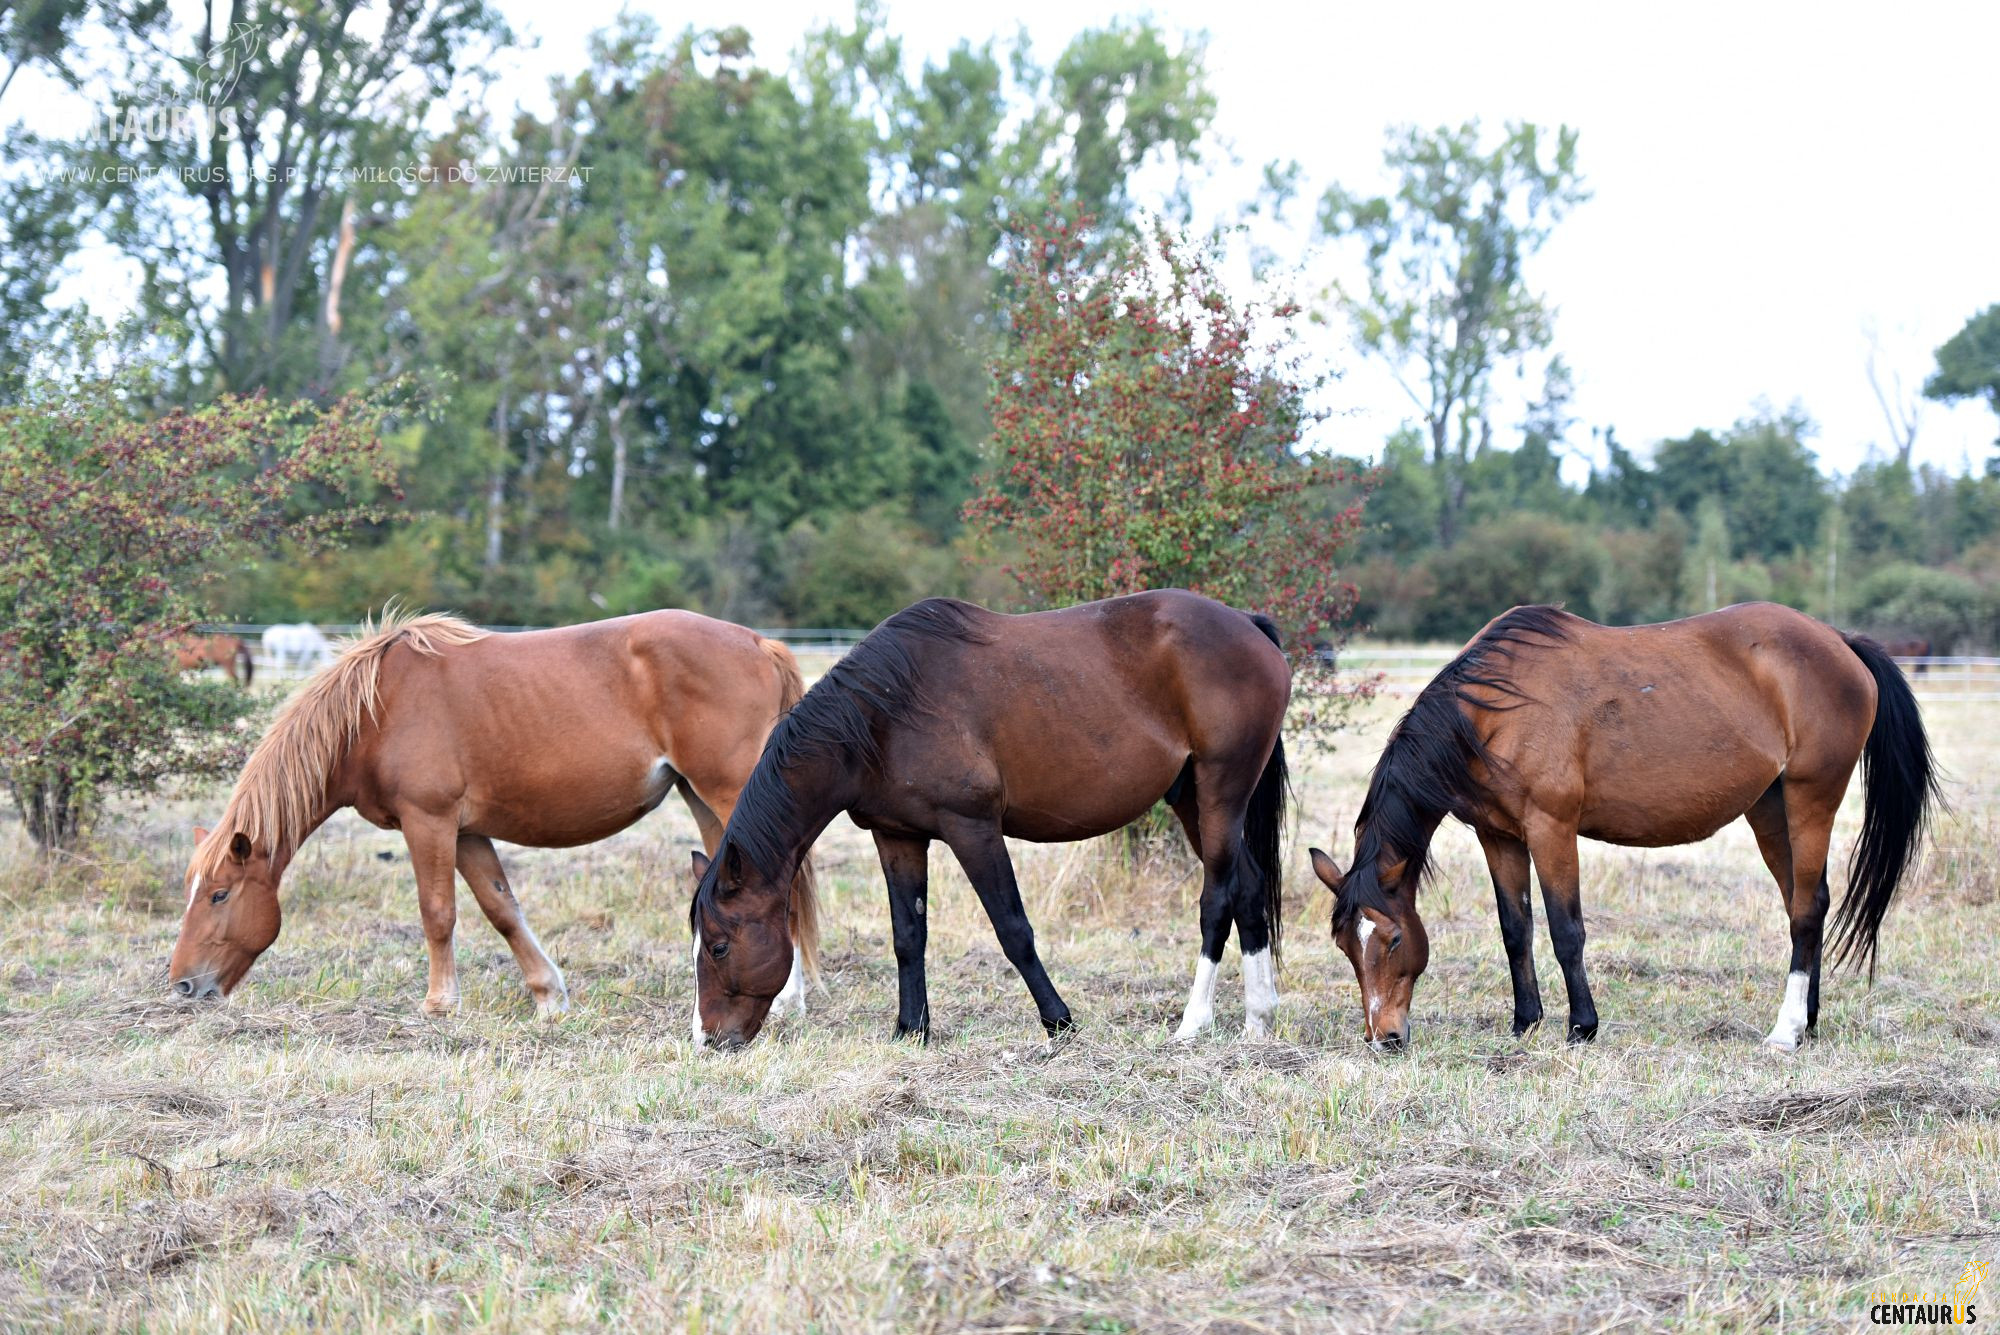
[(617, 429)]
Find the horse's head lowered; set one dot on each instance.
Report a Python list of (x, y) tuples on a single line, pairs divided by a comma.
[(741, 919), (232, 915), (1376, 925)]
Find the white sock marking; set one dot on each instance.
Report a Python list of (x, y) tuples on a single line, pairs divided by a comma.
[(793, 999), (1792, 1015), (1260, 993), (1200, 1011), (700, 1039)]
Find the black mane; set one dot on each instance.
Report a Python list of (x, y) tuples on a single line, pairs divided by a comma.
[(1425, 772), (876, 684)]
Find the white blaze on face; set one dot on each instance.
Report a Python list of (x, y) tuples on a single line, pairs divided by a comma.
[(700, 1039), (1200, 1011), (1791, 1023), (194, 888), (1363, 930)]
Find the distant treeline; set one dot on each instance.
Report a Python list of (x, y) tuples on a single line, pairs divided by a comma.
[(717, 332), (1712, 518)]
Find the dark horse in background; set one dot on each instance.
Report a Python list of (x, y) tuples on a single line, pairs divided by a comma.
[(1548, 727), (953, 723)]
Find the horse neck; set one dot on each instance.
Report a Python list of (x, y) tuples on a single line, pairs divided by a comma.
[(820, 788), (1400, 828)]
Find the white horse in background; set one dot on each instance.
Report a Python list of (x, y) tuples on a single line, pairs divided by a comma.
[(299, 646)]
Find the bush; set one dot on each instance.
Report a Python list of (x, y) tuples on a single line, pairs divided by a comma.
[(1523, 559), (1942, 606), (111, 530)]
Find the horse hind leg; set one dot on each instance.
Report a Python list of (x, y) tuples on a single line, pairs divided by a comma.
[(480, 865), (1199, 1013), (1802, 816)]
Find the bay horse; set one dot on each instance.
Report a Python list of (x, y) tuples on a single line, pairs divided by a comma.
[(950, 722), (1917, 648), (1549, 726), (458, 737), (227, 652)]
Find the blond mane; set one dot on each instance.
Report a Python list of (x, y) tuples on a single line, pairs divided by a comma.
[(283, 786)]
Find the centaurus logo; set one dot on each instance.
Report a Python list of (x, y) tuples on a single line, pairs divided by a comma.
[(1943, 1307), (162, 112)]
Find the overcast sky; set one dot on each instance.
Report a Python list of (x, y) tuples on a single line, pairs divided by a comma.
[(1770, 181)]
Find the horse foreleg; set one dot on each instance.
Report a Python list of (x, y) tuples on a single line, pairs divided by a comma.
[(1552, 845), (906, 867), (1507, 863), (433, 845), (983, 854), (480, 865)]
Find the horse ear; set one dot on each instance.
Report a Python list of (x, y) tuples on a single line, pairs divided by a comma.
[(200, 833), (732, 867), (239, 847), (1327, 870), (700, 865)]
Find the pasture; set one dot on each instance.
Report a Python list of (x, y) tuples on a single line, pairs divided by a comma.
[(316, 1154)]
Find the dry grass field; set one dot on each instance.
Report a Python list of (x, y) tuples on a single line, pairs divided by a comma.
[(317, 1155)]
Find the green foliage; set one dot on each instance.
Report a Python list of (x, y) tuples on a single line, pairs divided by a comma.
[(1146, 433), (1942, 606), (1968, 365), (1445, 299), (111, 525)]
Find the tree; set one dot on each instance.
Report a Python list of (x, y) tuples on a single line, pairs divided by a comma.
[(1446, 300), (1968, 365), (112, 527), (222, 163), (1144, 437)]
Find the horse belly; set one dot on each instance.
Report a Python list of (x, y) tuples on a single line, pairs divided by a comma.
[(1056, 808), (556, 805), (1642, 817)]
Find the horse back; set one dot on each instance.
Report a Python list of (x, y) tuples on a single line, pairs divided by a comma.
[(1661, 734)]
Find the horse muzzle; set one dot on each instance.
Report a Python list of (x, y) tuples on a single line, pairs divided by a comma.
[(198, 987)]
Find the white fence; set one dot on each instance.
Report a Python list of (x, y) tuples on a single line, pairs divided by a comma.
[(833, 641), (1404, 671)]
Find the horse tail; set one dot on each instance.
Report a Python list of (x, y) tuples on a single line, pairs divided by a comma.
[(1902, 785), (805, 884), (1263, 822), (791, 685), (245, 661)]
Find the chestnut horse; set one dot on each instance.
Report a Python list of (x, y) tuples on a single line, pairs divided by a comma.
[(1548, 727), (457, 737), (954, 723), (223, 651)]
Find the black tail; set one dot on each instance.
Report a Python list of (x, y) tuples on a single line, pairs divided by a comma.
[(1263, 824), (1902, 784), (246, 662)]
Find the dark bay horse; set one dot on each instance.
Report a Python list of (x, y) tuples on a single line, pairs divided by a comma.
[(1548, 727), (457, 737), (227, 652), (953, 723)]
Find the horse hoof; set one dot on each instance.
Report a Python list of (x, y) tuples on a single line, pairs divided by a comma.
[(1583, 1033), (1062, 1024), (1523, 1023), (920, 1032), (552, 1008), (439, 1008)]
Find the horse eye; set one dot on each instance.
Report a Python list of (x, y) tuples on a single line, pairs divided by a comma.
[(218, 897), (1395, 940), (718, 950)]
